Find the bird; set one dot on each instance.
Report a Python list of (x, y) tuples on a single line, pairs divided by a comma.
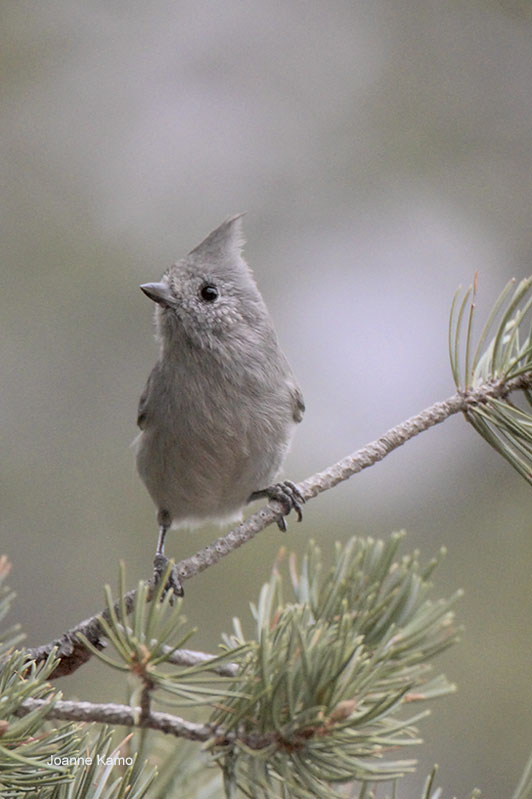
[(220, 406)]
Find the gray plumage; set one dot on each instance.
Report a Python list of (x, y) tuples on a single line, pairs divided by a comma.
[(219, 408)]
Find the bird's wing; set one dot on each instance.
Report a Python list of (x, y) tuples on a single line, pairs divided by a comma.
[(298, 403), (144, 401)]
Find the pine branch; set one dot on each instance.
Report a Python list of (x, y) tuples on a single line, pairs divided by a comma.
[(328, 682), (120, 715), (111, 713), (73, 653), (375, 451)]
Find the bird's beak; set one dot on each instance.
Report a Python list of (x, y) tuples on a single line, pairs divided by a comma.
[(159, 292)]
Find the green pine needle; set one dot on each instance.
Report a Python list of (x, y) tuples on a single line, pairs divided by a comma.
[(503, 353), (325, 693)]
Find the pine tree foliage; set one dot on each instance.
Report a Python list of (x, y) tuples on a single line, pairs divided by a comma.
[(34, 752), (145, 648), (323, 692), (502, 354), (319, 700)]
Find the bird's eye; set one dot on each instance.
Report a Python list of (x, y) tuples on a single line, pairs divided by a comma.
[(209, 292)]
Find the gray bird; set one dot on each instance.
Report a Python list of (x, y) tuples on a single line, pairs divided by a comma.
[(221, 403)]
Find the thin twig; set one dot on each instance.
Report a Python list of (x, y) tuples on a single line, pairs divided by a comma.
[(73, 654), (145, 700), (110, 713), (189, 657), (124, 715)]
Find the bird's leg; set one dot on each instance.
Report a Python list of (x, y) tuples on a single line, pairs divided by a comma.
[(287, 494), (160, 561), (160, 542)]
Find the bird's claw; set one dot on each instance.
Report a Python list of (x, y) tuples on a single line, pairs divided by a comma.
[(173, 583), (289, 497)]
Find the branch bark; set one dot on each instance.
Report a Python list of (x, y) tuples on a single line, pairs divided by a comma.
[(71, 651), (124, 715), (110, 713)]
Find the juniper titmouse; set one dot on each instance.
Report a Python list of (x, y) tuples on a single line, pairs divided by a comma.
[(219, 408)]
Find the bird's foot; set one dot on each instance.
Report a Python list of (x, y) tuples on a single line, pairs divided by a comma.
[(289, 497), (160, 568)]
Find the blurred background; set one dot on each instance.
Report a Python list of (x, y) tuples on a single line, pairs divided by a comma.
[(383, 154)]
